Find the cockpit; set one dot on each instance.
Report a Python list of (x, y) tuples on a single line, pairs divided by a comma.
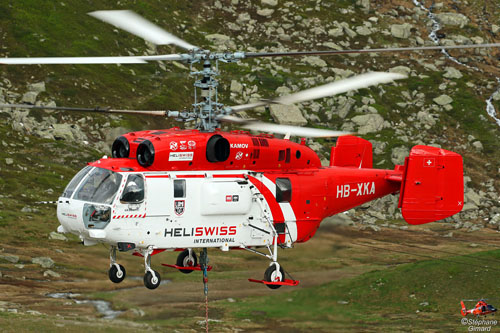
[(93, 191)]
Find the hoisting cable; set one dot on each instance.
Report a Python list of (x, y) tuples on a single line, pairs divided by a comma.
[(204, 267)]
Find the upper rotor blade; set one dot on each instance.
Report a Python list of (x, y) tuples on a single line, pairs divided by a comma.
[(381, 50), (330, 89), (282, 129), (139, 26), (88, 60), (77, 109)]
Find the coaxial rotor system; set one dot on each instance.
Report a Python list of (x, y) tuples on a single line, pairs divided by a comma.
[(206, 109)]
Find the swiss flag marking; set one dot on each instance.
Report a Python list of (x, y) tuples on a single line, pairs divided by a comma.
[(229, 198), (429, 162)]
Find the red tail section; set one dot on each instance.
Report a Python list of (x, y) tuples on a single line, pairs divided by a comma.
[(464, 309), (352, 151), (432, 187)]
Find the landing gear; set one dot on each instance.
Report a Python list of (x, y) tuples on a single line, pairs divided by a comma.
[(274, 273), (116, 272), (152, 278), (187, 258)]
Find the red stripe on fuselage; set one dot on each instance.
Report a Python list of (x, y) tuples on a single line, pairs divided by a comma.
[(270, 199)]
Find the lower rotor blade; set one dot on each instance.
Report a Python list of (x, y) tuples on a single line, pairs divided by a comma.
[(289, 130), (88, 60), (381, 50), (76, 109)]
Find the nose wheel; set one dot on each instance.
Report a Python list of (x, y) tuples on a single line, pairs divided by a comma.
[(152, 278), (116, 271)]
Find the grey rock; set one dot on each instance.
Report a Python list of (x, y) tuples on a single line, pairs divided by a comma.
[(287, 114), (399, 154), (336, 32), (45, 262), (453, 19), (50, 273), (402, 31), (265, 12), (9, 161), (471, 196), (10, 258), (29, 97), (236, 87), (425, 118), (365, 4), (33, 313), (26, 209), (221, 41), (272, 3), (401, 70), (363, 30), (332, 46), (315, 61), (478, 145), (37, 87), (495, 28), (57, 236), (443, 100), (452, 73), (369, 123)]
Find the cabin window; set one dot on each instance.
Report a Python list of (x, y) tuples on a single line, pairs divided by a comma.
[(281, 155), (179, 188), (283, 190), (134, 190)]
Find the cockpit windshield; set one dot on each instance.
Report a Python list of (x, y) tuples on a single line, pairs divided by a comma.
[(100, 186), (68, 191)]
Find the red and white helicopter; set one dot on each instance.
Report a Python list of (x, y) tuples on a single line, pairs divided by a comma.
[(180, 189), (481, 309)]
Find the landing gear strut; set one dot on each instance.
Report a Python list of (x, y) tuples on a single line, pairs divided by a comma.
[(152, 278), (116, 271)]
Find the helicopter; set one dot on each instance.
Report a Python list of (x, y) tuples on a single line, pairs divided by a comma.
[(480, 309), (185, 189)]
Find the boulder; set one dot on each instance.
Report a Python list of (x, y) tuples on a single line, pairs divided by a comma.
[(401, 70), (425, 118), (57, 236), (9, 161), (272, 3), (402, 31), (10, 258), (369, 123), (221, 40), (37, 87), (478, 145), (452, 73), (29, 97), (363, 30), (50, 273), (236, 87), (287, 114), (443, 100), (265, 12), (399, 154), (315, 61), (336, 32), (45, 262), (495, 29), (453, 19)]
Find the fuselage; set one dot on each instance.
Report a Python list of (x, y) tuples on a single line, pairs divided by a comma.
[(195, 192)]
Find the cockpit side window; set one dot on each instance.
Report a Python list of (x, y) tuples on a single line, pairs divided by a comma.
[(179, 188), (68, 191), (134, 189)]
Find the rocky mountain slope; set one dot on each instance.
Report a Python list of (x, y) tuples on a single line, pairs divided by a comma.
[(442, 103)]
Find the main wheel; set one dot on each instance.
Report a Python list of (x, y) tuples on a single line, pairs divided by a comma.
[(186, 260), (150, 282), (116, 275), (273, 275)]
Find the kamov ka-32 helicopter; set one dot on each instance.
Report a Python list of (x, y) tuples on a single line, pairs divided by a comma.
[(179, 189)]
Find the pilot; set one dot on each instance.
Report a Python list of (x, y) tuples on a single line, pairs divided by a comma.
[(132, 192)]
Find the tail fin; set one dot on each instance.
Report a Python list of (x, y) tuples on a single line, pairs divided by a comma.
[(351, 151), (463, 310), (432, 188)]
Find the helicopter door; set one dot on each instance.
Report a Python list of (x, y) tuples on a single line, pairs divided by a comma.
[(159, 194)]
